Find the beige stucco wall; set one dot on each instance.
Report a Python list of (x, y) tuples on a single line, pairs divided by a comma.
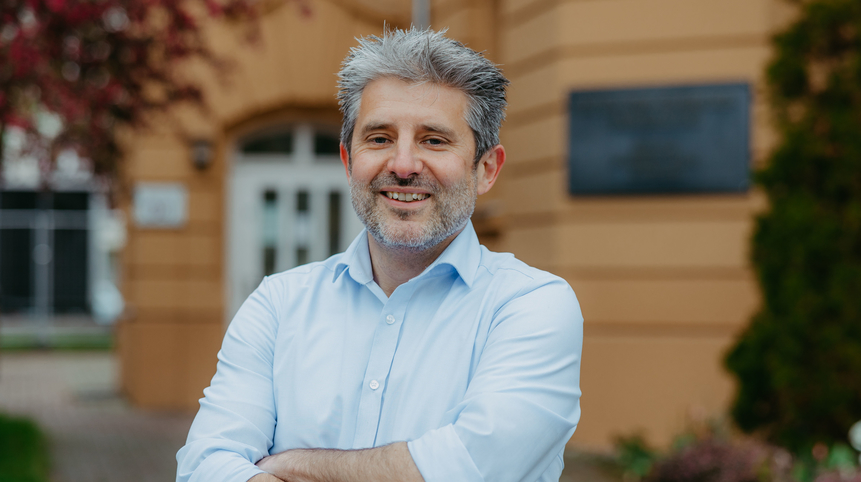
[(664, 282)]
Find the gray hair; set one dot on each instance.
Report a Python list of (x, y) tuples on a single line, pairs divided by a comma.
[(417, 56)]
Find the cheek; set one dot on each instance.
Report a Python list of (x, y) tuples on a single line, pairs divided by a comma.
[(362, 171), (453, 175), (366, 164)]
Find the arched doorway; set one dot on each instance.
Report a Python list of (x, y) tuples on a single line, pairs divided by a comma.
[(288, 204)]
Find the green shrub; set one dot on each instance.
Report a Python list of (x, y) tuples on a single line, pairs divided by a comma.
[(634, 456), (23, 451), (798, 363)]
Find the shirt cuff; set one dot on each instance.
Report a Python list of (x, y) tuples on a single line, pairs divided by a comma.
[(224, 465), (441, 457)]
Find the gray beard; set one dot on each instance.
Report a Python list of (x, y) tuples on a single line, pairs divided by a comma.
[(450, 211)]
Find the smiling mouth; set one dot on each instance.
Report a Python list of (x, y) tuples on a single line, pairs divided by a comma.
[(406, 196)]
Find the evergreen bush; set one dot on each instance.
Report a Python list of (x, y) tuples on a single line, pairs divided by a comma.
[(798, 363), (23, 451)]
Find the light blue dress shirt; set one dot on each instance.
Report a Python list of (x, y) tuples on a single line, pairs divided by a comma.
[(475, 362)]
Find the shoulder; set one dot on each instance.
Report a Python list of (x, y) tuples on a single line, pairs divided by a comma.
[(528, 304), (505, 268), (305, 275), (514, 285), (282, 291)]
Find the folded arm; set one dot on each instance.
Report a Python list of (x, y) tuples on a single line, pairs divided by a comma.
[(236, 421), (522, 403), (390, 463)]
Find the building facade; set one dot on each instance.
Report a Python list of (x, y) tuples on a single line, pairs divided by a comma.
[(662, 274)]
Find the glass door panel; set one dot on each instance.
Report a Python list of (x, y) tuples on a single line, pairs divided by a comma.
[(285, 210)]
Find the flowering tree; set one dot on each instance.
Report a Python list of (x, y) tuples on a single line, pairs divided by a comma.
[(96, 65)]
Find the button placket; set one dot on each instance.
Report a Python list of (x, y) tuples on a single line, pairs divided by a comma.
[(382, 354)]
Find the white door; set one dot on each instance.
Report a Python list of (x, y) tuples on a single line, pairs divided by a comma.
[(288, 204)]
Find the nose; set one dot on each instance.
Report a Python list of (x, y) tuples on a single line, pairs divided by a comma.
[(406, 161)]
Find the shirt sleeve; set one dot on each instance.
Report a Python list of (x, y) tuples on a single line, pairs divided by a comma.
[(523, 402), (236, 422)]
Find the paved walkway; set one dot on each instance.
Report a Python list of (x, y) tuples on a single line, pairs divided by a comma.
[(95, 436)]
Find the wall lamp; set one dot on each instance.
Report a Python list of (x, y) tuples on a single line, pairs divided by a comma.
[(201, 154)]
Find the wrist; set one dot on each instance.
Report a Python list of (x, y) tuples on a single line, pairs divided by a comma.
[(292, 465)]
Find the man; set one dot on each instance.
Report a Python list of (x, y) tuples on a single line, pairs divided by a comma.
[(417, 354)]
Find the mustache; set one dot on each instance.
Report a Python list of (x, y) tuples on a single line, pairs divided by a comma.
[(414, 180)]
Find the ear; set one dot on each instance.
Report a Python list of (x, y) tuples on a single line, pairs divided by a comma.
[(345, 159), (489, 167)]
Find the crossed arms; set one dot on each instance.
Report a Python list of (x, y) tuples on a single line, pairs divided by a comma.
[(520, 407), (391, 463)]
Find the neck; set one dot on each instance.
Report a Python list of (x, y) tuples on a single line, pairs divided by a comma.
[(395, 266)]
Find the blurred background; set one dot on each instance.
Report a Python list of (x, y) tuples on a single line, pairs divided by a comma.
[(159, 158)]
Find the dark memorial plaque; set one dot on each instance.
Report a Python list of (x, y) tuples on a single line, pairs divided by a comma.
[(672, 140)]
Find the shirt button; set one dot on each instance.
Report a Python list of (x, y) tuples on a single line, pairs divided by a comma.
[(374, 384), (390, 319)]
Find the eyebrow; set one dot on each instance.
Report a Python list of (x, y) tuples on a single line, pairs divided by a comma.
[(424, 127), (439, 130), (374, 127)]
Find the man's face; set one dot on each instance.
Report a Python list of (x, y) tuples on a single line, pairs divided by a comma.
[(413, 181)]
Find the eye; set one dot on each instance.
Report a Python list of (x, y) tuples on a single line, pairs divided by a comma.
[(434, 141), (378, 140)]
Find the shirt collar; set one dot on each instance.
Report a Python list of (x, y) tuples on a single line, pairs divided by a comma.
[(356, 260), (463, 254)]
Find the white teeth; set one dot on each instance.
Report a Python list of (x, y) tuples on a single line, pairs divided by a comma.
[(407, 197)]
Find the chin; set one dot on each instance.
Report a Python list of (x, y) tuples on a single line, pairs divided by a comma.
[(405, 237), (413, 237)]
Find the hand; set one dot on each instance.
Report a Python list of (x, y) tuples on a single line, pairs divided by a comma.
[(272, 463)]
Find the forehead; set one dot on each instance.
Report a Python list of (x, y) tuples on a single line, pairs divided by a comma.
[(391, 101)]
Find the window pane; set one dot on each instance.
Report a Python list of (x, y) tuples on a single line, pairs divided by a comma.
[(302, 228), (326, 144), (302, 201), (334, 222), (268, 260), (16, 270), (70, 271), (18, 200), (279, 143), (301, 256), (77, 201), (270, 231)]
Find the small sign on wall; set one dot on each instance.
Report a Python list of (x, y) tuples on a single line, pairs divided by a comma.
[(160, 205), (667, 140)]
